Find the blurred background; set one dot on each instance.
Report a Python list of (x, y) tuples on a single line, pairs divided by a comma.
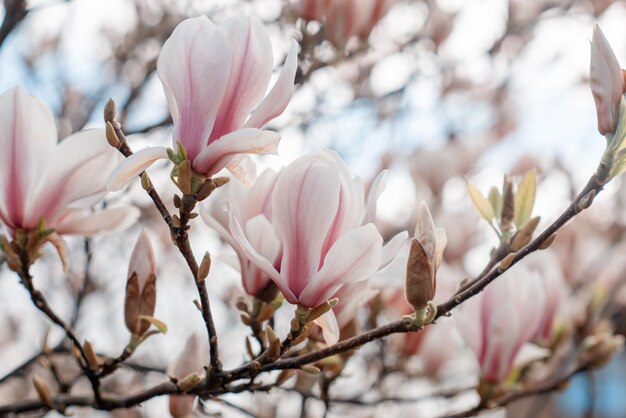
[(439, 92)]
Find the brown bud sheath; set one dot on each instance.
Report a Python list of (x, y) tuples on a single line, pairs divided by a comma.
[(205, 190), (110, 113), (205, 267), (112, 138), (140, 286), (508, 205), (43, 391), (184, 177), (420, 280), (525, 234)]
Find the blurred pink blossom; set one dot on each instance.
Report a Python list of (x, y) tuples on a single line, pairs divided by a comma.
[(500, 320), (344, 19)]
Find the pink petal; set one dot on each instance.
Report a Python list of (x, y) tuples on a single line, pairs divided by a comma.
[(194, 66), (278, 98), (132, 166), (80, 222), (392, 248), (250, 71), (329, 326), (243, 168), (258, 260), (77, 172), (244, 141), (28, 139), (377, 188), (355, 256), (304, 203)]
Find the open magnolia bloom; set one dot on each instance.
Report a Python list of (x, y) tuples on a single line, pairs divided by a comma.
[(46, 184), (344, 19), (213, 78), (318, 217), (252, 207), (499, 321)]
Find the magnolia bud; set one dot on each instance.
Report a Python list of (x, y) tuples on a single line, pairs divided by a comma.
[(140, 286), (420, 280)]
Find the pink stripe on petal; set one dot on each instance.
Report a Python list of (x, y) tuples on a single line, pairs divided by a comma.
[(304, 204), (194, 66), (250, 71)]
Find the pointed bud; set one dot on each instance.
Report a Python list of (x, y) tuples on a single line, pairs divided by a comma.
[(140, 286), (92, 357), (220, 181), (607, 82), (43, 391), (506, 262), (188, 382), (146, 184), (205, 267), (112, 138), (310, 369), (321, 309), (525, 234), (420, 282), (205, 190), (273, 350), (548, 242), (110, 112)]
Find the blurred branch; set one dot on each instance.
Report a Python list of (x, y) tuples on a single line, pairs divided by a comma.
[(14, 13)]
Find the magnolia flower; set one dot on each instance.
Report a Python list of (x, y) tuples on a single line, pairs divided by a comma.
[(607, 82), (318, 216), (140, 286), (424, 259), (253, 210), (213, 78), (497, 322), (48, 183), (344, 19)]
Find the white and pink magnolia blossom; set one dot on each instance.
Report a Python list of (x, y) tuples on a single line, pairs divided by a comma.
[(322, 221), (215, 79), (252, 207), (51, 183), (344, 19), (499, 321), (607, 82)]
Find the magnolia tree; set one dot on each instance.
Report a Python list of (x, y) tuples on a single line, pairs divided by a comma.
[(334, 304)]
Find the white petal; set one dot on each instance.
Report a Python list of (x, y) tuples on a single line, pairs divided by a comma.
[(258, 260), (80, 222), (329, 326), (134, 165), (278, 98), (354, 257), (392, 248), (244, 141), (377, 188)]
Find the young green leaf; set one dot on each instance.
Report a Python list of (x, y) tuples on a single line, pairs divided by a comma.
[(481, 203), (525, 198)]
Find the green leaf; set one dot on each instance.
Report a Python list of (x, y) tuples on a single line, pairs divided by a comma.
[(525, 198), (495, 198), (481, 203), (160, 325)]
